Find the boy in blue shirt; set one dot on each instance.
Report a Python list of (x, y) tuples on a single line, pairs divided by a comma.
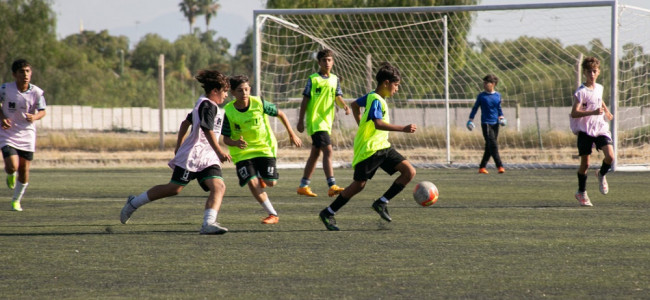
[(491, 117)]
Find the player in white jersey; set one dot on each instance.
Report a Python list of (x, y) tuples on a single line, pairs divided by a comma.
[(197, 157), (22, 104), (588, 122)]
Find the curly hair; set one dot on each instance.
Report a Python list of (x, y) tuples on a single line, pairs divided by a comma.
[(212, 79)]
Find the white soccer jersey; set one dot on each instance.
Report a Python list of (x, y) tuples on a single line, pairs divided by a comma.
[(22, 133), (196, 154), (590, 99)]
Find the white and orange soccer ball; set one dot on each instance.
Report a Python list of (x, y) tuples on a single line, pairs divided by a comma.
[(425, 193)]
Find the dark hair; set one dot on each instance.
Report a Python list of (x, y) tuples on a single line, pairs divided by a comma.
[(19, 64), (212, 79), (491, 78), (590, 63), (324, 53), (237, 80), (387, 72)]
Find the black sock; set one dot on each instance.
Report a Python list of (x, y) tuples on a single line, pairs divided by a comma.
[(604, 168), (582, 182), (394, 189), (338, 203)]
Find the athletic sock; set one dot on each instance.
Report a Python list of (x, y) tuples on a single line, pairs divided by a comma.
[(140, 200), (604, 168), (19, 190), (304, 182), (210, 216), (582, 182), (394, 189), (269, 207), (338, 203), (331, 181)]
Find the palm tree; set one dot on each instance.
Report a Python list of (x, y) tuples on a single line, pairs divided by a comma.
[(191, 9), (209, 9)]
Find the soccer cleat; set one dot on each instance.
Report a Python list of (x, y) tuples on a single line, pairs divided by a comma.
[(214, 228), (271, 219), (11, 181), (483, 171), (583, 198), (127, 210), (602, 183), (334, 190), (382, 209), (15, 206), (328, 220), (502, 170), (306, 191)]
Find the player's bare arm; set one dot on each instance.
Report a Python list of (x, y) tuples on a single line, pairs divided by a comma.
[(240, 143), (381, 125), (212, 140), (182, 131), (577, 112), (341, 103), (35, 117), (301, 114), (607, 113), (356, 111), (295, 140)]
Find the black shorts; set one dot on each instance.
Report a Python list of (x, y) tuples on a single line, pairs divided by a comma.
[(585, 142), (321, 139), (258, 166), (386, 159), (9, 151), (183, 177)]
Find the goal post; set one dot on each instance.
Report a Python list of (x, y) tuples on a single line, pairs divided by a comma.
[(443, 52)]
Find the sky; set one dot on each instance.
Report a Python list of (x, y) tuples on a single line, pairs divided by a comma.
[(136, 18)]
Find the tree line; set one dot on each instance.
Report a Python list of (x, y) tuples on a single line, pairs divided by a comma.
[(100, 70)]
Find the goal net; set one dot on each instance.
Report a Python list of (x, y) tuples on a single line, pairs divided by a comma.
[(444, 52)]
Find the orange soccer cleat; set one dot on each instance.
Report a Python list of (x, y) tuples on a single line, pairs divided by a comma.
[(271, 219), (306, 191)]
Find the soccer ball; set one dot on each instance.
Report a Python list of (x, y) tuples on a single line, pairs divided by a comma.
[(425, 193)]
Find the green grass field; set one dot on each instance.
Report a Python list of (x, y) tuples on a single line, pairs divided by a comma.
[(511, 236)]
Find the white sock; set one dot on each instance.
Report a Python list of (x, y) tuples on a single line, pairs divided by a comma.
[(19, 190), (140, 200), (269, 207), (383, 199), (210, 216)]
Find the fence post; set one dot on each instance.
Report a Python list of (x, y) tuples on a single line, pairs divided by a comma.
[(161, 89)]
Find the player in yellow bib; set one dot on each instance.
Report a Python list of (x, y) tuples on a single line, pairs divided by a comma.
[(321, 94), (372, 150), (251, 142)]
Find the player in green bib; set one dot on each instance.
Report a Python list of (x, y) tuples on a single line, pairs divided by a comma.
[(252, 144), (372, 150), (321, 94)]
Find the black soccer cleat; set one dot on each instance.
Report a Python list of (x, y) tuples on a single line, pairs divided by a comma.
[(328, 220), (382, 209)]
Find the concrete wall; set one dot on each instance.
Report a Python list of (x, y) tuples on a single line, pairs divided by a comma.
[(147, 120)]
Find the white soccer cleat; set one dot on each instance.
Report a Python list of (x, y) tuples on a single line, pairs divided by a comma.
[(214, 228), (583, 198), (602, 183), (127, 210)]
